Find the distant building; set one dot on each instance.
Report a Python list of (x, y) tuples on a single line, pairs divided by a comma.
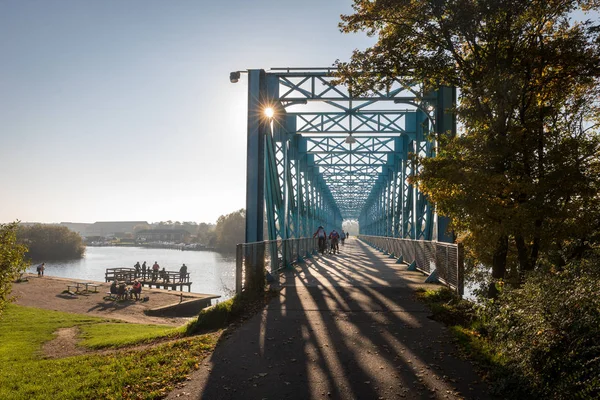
[(112, 228), (78, 227), (163, 235)]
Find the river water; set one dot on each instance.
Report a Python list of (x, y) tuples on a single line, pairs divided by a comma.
[(210, 272)]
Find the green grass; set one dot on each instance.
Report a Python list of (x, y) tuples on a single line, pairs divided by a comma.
[(25, 374), (447, 307), (116, 335), (229, 311)]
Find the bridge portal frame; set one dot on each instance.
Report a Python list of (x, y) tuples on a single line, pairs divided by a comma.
[(301, 173)]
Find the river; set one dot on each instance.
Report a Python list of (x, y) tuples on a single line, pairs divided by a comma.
[(210, 272)]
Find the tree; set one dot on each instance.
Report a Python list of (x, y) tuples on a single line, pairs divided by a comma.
[(521, 177), (230, 230), (51, 242), (11, 260), (205, 232)]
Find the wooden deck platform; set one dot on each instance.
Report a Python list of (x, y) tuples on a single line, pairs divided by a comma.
[(167, 280)]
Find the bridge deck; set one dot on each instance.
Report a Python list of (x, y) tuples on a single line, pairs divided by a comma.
[(346, 327)]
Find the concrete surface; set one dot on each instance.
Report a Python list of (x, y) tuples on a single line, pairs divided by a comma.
[(344, 327)]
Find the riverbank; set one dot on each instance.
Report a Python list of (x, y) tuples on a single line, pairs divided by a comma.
[(172, 246), (47, 293)]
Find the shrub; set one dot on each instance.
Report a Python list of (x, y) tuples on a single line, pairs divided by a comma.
[(51, 242), (548, 330)]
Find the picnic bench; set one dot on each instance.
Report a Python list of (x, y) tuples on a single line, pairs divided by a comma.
[(75, 285), (79, 285), (93, 285)]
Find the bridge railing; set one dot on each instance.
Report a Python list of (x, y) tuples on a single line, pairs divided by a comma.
[(252, 259), (444, 261)]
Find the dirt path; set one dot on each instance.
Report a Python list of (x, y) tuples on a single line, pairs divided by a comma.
[(46, 292)]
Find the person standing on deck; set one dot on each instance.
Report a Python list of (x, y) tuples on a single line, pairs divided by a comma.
[(182, 273), (144, 271), (137, 269), (155, 269)]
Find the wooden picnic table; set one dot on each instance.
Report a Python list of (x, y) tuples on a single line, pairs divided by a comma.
[(76, 285), (79, 285), (91, 284)]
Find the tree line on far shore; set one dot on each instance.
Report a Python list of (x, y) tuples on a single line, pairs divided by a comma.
[(50, 242), (223, 236)]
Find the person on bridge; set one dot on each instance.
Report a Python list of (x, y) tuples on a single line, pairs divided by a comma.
[(322, 235), (182, 273), (342, 237), (334, 237)]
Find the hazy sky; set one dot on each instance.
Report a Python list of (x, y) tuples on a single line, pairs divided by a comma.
[(123, 110)]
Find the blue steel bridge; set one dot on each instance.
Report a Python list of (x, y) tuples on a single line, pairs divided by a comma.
[(343, 326), (317, 155)]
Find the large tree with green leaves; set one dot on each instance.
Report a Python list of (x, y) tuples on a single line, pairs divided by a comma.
[(11, 260), (521, 181)]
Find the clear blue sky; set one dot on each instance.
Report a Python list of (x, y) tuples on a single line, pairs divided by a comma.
[(123, 110)]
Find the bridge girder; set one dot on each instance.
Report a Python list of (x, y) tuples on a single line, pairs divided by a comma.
[(312, 174)]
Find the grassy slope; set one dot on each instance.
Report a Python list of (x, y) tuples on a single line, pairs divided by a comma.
[(150, 373)]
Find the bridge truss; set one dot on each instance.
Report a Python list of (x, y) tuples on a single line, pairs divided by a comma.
[(325, 156)]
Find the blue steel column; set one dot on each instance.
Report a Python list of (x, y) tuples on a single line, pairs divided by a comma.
[(257, 128)]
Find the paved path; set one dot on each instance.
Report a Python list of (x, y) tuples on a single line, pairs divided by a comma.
[(344, 327)]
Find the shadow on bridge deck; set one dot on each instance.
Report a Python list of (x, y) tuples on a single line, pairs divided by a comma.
[(346, 327)]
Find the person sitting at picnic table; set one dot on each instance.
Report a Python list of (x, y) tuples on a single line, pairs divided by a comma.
[(113, 287), (182, 273), (136, 289), (121, 292)]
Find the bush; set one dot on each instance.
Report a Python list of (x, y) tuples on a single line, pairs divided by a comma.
[(51, 242), (227, 312), (549, 332)]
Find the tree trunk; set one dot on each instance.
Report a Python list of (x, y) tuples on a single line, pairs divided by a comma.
[(535, 248), (498, 265), (522, 254)]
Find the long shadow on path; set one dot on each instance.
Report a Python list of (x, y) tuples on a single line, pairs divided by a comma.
[(345, 327)]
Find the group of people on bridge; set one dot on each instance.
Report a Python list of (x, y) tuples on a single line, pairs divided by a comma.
[(334, 239)]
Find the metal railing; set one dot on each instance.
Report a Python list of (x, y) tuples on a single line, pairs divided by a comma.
[(445, 260), (252, 259)]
